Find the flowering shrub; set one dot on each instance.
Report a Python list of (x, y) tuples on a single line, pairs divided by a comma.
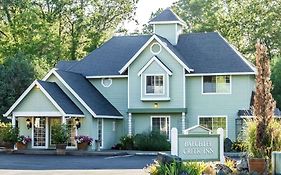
[(24, 140), (84, 139)]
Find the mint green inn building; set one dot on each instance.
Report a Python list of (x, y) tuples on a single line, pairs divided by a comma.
[(136, 84)]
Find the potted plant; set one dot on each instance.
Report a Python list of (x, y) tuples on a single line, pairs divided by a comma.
[(9, 136), (22, 142), (260, 130), (60, 136), (83, 142)]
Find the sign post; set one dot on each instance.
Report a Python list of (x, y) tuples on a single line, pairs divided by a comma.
[(198, 144)]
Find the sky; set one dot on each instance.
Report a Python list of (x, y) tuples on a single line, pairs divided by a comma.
[(144, 10)]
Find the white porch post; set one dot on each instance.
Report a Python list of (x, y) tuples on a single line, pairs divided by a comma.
[(183, 121), (14, 121), (130, 124), (63, 120)]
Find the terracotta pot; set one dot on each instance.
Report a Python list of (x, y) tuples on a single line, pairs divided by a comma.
[(60, 149), (82, 146), (21, 146), (257, 165)]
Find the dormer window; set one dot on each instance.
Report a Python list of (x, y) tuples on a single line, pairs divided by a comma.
[(154, 77), (154, 85)]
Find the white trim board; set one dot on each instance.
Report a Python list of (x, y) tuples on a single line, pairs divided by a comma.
[(230, 73), (155, 59), (107, 76), (123, 69)]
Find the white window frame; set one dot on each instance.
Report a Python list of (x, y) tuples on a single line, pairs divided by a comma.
[(145, 84), (102, 133), (215, 116), (46, 133), (76, 134), (161, 116), (216, 93), (102, 82)]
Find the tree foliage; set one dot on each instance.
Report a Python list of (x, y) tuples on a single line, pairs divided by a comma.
[(36, 34), (242, 22), (276, 81)]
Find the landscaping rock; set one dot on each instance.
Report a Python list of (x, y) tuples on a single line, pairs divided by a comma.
[(221, 168), (167, 159)]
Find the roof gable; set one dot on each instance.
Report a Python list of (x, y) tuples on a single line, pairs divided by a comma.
[(55, 98), (165, 46), (156, 60)]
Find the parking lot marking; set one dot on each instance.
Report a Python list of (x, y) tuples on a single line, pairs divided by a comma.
[(113, 157)]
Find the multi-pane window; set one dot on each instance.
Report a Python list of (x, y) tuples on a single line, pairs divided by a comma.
[(154, 84), (213, 123), (216, 84), (39, 138), (100, 130), (72, 131), (161, 124)]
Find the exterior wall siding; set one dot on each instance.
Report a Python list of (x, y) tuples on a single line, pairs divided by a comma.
[(167, 31), (199, 104), (142, 122), (35, 101), (117, 95), (175, 81)]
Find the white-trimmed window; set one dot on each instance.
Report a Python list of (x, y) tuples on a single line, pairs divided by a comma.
[(220, 84), (154, 84), (161, 124), (100, 131), (213, 123)]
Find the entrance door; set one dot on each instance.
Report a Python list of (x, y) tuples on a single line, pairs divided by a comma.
[(52, 122), (39, 132), (70, 122)]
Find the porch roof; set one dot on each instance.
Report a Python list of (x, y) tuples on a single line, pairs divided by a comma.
[(60, 98), (54, 94)]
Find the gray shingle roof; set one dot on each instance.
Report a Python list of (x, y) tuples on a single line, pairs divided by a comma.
[(60, 98), (89, 94), (110, 57), (249, 112), (203, 52), (166, 15), (210, 53)]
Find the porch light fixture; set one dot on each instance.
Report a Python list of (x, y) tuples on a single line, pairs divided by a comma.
[(156, 105), (28, 123), (77, 123)]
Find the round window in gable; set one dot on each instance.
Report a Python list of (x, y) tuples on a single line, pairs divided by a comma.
[(155, 48), (106, 82)]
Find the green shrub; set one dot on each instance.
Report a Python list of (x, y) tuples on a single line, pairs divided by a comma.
[(60, 133), (127, 142), (239, 146), (176, 168), (193, 168), (273, 145), (153, 141), (8, 134)]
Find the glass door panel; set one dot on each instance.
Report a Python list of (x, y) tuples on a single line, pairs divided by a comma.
[(52, 122), (39, 132), (72, 132)]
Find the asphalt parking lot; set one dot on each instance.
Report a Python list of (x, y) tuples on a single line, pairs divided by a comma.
[(53, 162)]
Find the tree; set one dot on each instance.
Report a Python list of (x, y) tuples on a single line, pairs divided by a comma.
[(242, 22), (15, 74), (276, 81), (264, 104)]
